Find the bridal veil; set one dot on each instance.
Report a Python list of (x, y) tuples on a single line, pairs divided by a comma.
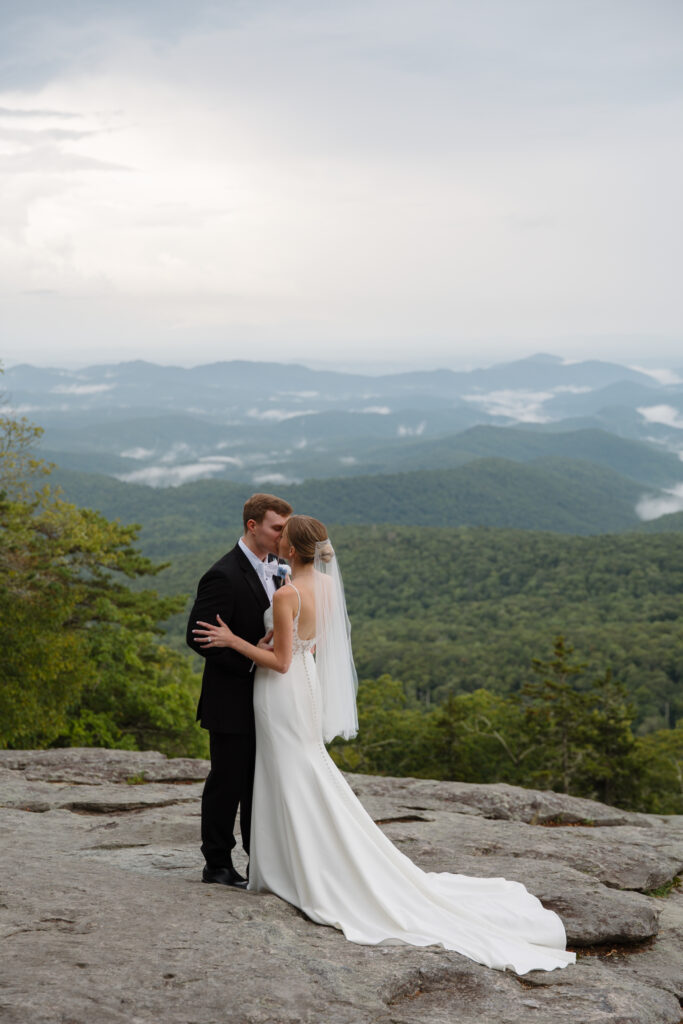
[(333, 655)]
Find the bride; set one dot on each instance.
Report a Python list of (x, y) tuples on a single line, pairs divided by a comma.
[(312, 842)]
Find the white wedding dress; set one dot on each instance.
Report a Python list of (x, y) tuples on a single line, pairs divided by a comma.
[(314, 845)]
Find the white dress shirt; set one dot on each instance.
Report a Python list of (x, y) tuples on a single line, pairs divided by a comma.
[(258, 564)]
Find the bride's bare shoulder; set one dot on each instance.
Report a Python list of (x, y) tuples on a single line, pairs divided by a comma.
[(284, 596)]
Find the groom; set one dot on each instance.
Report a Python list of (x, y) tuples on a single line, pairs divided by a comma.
[(238, 587)]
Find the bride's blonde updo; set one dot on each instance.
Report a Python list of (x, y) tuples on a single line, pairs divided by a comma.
[(304, 533)]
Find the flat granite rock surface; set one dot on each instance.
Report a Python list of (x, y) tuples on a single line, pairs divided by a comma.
[(104, 918)]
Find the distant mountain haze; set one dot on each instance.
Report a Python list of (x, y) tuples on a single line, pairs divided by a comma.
[(273, 426)]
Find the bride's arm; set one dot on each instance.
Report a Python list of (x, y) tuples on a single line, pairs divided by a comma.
[(280, 657)]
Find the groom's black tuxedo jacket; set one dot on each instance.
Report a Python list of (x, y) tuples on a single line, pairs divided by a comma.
[(232, 589)]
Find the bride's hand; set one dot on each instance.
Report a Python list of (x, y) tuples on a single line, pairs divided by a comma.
[(214, 636), (266, 642)]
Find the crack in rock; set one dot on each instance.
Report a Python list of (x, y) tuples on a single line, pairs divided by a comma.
[(405, 817)]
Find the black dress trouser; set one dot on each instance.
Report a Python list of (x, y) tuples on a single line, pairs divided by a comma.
[(229, 784)]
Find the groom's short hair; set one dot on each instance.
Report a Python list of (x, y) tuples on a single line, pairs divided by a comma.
[(256, 507)]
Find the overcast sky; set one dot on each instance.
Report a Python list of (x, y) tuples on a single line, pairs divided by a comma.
[(390, 181)]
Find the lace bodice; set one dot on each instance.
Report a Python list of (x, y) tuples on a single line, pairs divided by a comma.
[(299, 646)]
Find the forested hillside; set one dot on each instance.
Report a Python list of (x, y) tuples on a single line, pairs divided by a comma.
[(447, 611), (558, 494), (644, 463), (672, 523)]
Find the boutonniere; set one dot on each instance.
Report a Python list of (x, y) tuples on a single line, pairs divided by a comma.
[(283, 571)]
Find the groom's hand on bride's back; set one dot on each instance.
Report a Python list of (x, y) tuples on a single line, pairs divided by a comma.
[(266, 642)]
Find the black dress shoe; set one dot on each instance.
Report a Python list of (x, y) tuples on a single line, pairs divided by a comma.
[(224, 876)]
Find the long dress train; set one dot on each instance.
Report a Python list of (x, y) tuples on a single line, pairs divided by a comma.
[(314, 845)]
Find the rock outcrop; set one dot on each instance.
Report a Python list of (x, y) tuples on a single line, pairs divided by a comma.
[(105, 919)]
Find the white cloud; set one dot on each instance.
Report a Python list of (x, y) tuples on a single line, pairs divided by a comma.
[(661, 505), (137, 453), (23, 115), (348, 460), (277, 415), (176, 451), (662, 376), (222, 460), (274, 478), (519, 405), (170, 476), (300, 394), (664, 414), (81, 389), (21, 410), (417, 431), (258, 458), (378, 410), (572, 389)]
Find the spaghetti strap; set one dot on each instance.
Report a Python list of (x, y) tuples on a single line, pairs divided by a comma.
[(290, 584)]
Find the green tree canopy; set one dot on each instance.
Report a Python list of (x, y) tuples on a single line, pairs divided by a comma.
[(79, 649)]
